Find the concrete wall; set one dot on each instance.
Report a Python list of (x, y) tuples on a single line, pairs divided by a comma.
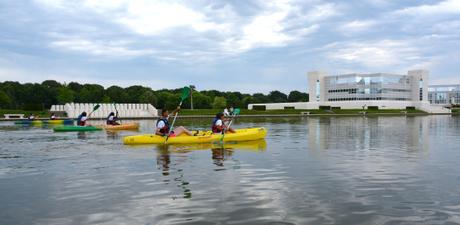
[(125, 110)]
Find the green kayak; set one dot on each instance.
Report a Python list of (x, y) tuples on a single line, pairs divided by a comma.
[(75, 128)]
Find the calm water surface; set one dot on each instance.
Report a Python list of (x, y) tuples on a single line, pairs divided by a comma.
[(345, 170)]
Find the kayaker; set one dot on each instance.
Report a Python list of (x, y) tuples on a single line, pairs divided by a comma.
[(163, 126), (31, 117), (53, 116), (218, 125), (81, 120), (112, 119)]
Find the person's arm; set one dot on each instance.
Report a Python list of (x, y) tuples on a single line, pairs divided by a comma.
[(176, 111)]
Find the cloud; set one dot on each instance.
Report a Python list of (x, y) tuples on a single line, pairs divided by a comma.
[(110, 49), (358, 25), (375, 54), (275, 24), (443, 7)]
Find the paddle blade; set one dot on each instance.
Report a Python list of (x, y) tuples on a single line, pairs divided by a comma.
[(185, 93), (96, 107), (236, 111)]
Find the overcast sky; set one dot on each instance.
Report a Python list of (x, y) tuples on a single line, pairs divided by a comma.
[(248, 46)]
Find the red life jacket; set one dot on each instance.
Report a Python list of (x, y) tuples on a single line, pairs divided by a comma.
[(81, 123), (165, 129), (215, 128)]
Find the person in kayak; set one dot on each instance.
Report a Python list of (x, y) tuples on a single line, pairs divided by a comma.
[(163, 126), (218, 125), (53, 116), (81, 120), (112, 119), (32, 117)]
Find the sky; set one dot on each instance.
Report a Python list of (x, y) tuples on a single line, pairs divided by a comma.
[(248, 46)]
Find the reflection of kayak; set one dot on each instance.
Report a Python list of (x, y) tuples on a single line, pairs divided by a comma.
[(44, 122), (202, 137), (76, 128), (126, 126), (256, 145)]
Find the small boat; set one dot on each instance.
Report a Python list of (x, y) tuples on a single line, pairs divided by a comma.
[(76, 128), (37, 122), (125, 126), (248, 134)]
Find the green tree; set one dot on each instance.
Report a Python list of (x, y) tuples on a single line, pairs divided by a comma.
[(91, 93), (5, 100), (148, 97), (219, 103), (260, 98), (117, 94), (201, 101), (106, 99), (297, 96), (167, 100), (65, 95), (277, 96), (134, 93)]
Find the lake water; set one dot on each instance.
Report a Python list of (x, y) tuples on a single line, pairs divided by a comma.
[(318, 170)]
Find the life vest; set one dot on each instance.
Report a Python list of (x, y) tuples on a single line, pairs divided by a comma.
[(80, 122), (165, 129), (215, 128), (111, 121)]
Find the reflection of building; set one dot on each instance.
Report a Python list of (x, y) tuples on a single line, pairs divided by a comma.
[(444, 94), (368, 132), (356, 91)]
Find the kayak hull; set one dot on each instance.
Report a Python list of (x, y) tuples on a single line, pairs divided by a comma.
[(248, 134), (39, 122), (127, 126), (76, 128)]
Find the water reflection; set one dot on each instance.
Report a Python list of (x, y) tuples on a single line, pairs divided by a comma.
[(368, 132), (316, 170)]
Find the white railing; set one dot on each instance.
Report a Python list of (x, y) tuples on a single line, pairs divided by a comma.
[(125, 110)]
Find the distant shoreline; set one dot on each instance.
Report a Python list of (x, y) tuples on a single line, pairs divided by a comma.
[(272, 116)]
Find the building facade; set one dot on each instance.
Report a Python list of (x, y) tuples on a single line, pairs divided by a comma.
[(358, 91), (444, 94), (369, 87)]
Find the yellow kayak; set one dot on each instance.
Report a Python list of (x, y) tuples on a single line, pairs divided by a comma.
[(248, 134), (126, 126)]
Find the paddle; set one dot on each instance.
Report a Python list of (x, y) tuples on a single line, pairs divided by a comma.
[(116, 111), (185, 94), (94, 109), (235, 113)]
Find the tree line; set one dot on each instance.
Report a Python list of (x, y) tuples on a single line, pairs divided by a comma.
[(40, 96)]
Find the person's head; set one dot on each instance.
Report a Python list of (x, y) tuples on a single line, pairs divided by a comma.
[(83, 113), (112, 114), (164, 112), (220, 115)]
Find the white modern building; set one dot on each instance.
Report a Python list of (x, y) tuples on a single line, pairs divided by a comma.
[(444, 94), (358, 91)]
